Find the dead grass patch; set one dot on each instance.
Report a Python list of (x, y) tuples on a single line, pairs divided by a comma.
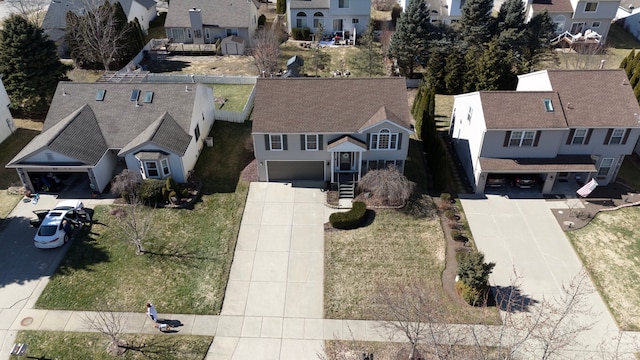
[(610, 249), (7, 203)]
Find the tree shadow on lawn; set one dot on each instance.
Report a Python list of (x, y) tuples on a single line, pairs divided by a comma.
[(154, 348), (164, 66), (83, 252)]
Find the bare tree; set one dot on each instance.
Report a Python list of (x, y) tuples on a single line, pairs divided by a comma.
[(385, 41), (32, 10), (389, 185), (266, 48), (112, 325), (135, 222)]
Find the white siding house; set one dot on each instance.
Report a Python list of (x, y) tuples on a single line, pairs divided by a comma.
[(7, 127)]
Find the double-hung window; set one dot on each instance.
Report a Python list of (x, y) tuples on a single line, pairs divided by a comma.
[(343, 4), (605, 166), (151, 169), (275, 142), (311, 142), (616, 136), (579, 137), (522, 138)]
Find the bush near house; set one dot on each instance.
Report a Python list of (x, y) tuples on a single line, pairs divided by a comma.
[(350, 219), (473, 277)]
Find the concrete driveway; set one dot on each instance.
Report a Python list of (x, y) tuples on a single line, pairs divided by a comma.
[(523, 234)]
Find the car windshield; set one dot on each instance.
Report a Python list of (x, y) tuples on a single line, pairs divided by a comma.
[(47, 230)]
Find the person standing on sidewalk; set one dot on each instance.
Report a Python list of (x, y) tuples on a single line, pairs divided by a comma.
[(151, 311)]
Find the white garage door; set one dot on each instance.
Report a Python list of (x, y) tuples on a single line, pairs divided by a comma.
[(295, 170)]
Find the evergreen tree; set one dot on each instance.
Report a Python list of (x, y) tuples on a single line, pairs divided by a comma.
[(537, 40), (281, 6), (471, 59), (511, 25), (476, 21), (454, 71), (30, 66), (473, 271), (495, 69), (411, 39), (435, 72), (627, 63), (368, 59)]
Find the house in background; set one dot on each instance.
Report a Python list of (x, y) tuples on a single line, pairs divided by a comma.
[(94, 130), (577, 16), (561, 125), (628, 15), (331, 130), (332, 15), (7, 126), (207, 21), (55, 21)]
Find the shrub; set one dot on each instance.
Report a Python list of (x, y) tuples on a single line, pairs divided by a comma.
[(296, 33), (306, 33), (471, 295), (450, 214), (174, 198), (455, 234), (350, 219), (388, 185), (474, 272), (445, 197), (150, 191)]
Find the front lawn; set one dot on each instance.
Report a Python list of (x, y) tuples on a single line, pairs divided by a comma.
[(609, 247), (76, 345), (399, 245), (189, 251)]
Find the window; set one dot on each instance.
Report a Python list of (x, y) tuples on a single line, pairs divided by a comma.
[(232, 32), (559, 21), (275, 141), (301, 19), (605, 167), (590, 6), (384, 140), (522, 138), (197, 132), (311, 142), (188, 33), (177, 35), (343, 4), (207, 33), (579, 137), (148, 96), (616, 136), (135, 94), (596, 24), (164, 164), (337, 25), (355, 21), (318, 18), (100, 94), (470, 114), (548, 105), (151, 169), (197, 34), (577, 27)]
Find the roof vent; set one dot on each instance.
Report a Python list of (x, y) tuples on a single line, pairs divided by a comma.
[(64, 92)]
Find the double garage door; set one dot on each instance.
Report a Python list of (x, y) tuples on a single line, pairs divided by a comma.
[(295, 170)]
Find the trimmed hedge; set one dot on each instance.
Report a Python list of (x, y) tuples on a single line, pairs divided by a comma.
[(350, 219)]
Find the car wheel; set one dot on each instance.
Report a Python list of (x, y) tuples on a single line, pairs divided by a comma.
[(66, 238)]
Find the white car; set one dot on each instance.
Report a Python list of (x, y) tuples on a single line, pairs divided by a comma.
[(53, 232)]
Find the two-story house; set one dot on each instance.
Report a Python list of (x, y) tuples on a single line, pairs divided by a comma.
[(561, 125), (331, 130), (207, 21), (577, 16), (331, 15), (7, 127)]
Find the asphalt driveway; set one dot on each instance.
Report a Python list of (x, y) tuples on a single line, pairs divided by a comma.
[(523, 235)]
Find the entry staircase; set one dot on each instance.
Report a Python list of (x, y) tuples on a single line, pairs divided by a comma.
[(347, 186)]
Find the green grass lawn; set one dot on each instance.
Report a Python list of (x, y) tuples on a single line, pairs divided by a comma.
[(397, 246), (236, 95), (609, 247), (189, 251), (76, 345)]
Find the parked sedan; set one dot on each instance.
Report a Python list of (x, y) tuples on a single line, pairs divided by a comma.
[(60, 224), (525, 181), (496, 180)]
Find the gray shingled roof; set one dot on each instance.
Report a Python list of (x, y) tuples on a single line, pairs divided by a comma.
[(165, 133), (64, 138), (81, 127), (222, 13), (299, 105), (552, 6), (577, 163), (309, 4), (596, 98), (521, 110)]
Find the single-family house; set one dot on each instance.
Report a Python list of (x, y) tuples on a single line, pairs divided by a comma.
[(348, 16), (55, 21), (207, 21), (94, 130), (7, 126), (332, 130), (577, 17), (628, 15), (561, 125)]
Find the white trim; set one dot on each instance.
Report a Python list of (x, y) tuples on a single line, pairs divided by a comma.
[(271, 138)]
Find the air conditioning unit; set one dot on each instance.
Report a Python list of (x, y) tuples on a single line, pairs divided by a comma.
[(209, 141)]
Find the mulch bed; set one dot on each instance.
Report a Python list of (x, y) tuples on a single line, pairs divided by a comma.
[(603, 198)]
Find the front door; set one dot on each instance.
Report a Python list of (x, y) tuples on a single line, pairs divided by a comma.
[(345, 161), (577, 27)]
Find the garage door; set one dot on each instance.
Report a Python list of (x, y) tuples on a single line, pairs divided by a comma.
[(295, 170)]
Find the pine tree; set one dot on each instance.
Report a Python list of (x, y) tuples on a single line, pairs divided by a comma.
[(629, 65), (471, 68), (453, 70), (511, 25), (537, 40), (368, 59), (476, 21), (435, 71), (411, 39), (495, 69), (30, 66), (281, 6)]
